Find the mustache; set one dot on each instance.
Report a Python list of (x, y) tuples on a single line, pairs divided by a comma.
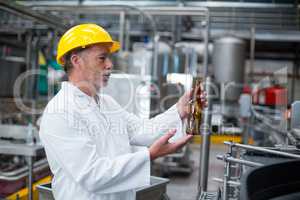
[(107, 74), (100, 72)]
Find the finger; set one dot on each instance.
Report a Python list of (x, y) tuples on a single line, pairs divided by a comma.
[(189, 94), (165, 138), (187, 109), (182, 141), (203, 95), (192, 90), (203, 101)]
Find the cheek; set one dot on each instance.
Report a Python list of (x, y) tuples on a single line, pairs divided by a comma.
[(97, 76), (95, 69)]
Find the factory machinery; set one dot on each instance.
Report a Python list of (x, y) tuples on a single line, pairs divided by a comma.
[(23, 160), (24, 34), (161, 61), (243, 162), (262, 113)]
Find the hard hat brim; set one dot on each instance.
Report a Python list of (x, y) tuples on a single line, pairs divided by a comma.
[(115, 46)]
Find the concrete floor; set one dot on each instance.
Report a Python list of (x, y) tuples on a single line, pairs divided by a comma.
[(182, 187)]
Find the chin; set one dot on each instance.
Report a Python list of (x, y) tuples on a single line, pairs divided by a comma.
[(104, 84)]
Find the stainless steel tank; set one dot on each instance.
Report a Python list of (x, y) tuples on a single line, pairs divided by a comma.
[(228, 62)]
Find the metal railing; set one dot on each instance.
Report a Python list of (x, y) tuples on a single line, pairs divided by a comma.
[(23, 172), (230, 158)]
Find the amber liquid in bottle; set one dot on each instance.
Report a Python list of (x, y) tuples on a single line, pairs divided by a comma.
[(195, 108)]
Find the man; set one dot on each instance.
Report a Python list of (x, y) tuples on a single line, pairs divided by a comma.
[(88, 137)]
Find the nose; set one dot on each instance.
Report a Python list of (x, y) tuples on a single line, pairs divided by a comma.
[(109, 64)]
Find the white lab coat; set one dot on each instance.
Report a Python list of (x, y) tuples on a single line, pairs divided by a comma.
[(88, 145)]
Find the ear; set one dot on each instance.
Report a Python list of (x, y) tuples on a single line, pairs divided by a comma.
[(76, 60)]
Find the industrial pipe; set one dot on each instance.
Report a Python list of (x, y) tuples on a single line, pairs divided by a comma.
[(226, 158), (24, 174), (24, 169), (23, 11), (261, 149), (205, 144)]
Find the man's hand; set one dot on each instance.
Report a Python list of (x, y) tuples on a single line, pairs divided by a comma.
[(162, 147), (183, 103)]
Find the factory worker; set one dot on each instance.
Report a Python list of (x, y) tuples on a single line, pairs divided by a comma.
[(88, 136)]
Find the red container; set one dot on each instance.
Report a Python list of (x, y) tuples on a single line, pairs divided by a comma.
[(271, 96)]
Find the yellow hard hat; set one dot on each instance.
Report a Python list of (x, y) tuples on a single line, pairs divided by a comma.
[(81, 36)]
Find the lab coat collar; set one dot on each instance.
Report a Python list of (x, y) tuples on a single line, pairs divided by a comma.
[(79, 100), (74, 90)]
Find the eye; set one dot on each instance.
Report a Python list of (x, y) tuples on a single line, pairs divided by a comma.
[(102, 58)]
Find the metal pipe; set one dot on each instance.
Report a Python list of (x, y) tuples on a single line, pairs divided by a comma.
[(205, 144), (240, 161), (227, 174), (51, 87), (51, 21), (233, 183), (276, 135), (117, 8), (291, 138), (211, 4), (255, 148), (34, 81), (20, 176), (267, 121), (226, 177), (177, 22), (245, 134), (121, 33), (240, 4), (295, 70), (252, 54), (293, 91), (127, 36), (24, 169), (30, 177), (206, 41), (28, 62)]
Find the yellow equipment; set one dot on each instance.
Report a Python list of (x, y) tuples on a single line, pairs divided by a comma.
[(23, 193), (81, 36)]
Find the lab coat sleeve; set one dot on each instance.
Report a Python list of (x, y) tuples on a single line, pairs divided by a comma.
[(143, 132), (76, 153)]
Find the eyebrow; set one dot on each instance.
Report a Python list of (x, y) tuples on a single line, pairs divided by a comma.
[(102, 54)]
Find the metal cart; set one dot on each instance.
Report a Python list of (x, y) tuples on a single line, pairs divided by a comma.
[(156, 191)]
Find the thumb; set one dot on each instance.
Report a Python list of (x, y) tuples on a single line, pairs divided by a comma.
[(165, 138)]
